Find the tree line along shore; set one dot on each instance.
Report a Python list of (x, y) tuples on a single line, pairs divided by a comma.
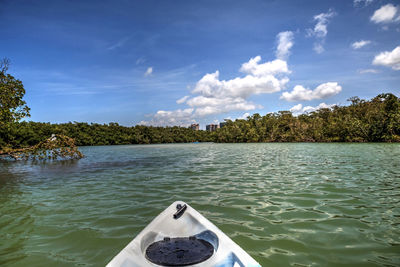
[(374, 120)]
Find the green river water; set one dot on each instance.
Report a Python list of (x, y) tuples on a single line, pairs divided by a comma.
[(285, 204)]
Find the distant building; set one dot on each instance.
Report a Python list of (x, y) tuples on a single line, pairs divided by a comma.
[(222, 124), (195, 127), (212, 127)]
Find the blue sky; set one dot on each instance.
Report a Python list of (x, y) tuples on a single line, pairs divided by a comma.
[(179, 62)]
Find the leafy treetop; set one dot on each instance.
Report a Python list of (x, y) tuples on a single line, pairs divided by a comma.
[(12, 107)]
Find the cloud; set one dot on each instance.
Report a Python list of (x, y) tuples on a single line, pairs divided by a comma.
[(118, 44), (360, 2), (140, 60), (359, 44), (320, 30), (318, 47), (208, 106), (244, 116), (386, 14), (285, 43), (182, 100), (299, 109), (171, 118), (300, 93), (149, 71), (212, 95), (268, 68), (363, 71), (220, 96), (388, 59)]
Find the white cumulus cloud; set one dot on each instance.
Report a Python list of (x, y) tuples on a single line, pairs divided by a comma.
[(220, 96), (182, 100), (388, 59), (244, 116), (386, 14), (285, 43), (320, 30), (254, 68), (211, 105), (149, 71), (181, 117), (299, 109), (213, 95), (359, 44), (299, 93)]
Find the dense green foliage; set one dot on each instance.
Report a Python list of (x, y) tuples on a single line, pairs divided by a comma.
[(12, 106), (376, 120), (29, 133)]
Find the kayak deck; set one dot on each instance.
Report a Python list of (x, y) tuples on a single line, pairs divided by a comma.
[(167, 239)]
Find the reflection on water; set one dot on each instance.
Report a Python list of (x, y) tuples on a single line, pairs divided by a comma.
[(15, 219), (286, 204)]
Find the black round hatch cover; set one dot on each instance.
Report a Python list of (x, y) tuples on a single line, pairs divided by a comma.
[(179, 251)]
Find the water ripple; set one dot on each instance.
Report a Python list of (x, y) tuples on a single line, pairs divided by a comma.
[(286, 204)]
